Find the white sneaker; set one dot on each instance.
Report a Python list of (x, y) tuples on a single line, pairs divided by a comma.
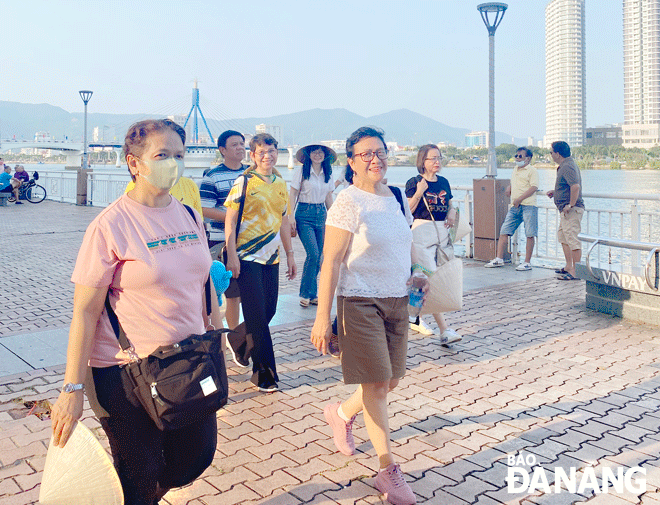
[(449, 336), (422, 327), (523, 267), (497, 262)]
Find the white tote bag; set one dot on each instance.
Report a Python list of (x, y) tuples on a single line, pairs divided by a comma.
[(434, 252)]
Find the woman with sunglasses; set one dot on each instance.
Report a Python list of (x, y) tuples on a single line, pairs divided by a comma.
[(429, 197), (366, 261)]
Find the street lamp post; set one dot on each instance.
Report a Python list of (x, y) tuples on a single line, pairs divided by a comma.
[(496, 9), (86, 95)]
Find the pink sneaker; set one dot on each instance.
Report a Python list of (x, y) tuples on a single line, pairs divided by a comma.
[(393, 485), (342, 431)]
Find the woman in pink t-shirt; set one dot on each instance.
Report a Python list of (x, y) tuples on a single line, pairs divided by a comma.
[(149, 256)]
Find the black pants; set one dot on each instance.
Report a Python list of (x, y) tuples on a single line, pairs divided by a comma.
[(149, 461), (259, 286)]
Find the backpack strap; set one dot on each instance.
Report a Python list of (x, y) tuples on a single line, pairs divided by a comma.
[(207, 286), (399, 198)]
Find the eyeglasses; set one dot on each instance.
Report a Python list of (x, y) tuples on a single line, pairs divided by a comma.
[(437, 159), (263, 154), (369, 155), (519, 156)]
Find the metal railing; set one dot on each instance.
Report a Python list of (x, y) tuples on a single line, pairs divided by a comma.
[(634, 223), (653, 250)]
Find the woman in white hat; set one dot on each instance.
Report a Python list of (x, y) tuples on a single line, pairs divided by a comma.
[(311, 197)]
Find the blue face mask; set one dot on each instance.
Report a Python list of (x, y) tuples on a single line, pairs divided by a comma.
[(163, 174)]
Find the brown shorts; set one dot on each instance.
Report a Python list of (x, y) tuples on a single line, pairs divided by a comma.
[(373, 338), (570, 227)]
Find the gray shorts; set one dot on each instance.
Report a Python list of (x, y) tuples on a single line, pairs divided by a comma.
[(373, 338)]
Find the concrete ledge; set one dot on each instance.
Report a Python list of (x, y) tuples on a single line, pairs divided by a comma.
[(624, 295)]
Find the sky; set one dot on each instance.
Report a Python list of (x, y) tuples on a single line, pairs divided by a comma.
[(264, 58)]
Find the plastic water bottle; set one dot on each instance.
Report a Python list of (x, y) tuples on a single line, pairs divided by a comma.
[(415, 295)]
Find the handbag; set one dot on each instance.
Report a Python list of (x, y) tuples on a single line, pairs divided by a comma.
[(180, 383), (445, 292), (461, 227)]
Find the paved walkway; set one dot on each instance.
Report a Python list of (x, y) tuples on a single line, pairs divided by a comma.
[(536, 374)]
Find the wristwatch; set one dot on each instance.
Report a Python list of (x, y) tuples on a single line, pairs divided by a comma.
[(69, 387)]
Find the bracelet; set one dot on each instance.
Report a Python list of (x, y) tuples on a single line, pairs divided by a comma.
[(289, 252)]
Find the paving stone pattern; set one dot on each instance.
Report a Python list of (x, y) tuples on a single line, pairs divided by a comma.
[(536, 374)]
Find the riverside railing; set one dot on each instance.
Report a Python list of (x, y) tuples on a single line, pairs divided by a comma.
[(634, 217), (652, 260)]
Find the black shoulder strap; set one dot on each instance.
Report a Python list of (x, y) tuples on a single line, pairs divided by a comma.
[(399, 198), (241, 205), (207, 286)]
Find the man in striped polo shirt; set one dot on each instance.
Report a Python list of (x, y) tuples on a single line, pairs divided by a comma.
[(213, 191)]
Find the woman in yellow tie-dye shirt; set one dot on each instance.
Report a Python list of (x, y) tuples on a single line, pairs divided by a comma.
[(185, 190), (253, 256)]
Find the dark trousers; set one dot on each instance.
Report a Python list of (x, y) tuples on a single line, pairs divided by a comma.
[(259, 286), (149, 461)]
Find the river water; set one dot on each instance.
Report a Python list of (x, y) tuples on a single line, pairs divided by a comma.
[(643, 182)]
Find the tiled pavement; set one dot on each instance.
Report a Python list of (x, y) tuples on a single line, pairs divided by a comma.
[(536, 374)]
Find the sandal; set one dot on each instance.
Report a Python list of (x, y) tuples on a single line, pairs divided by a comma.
[(567, 277), (561, 271)]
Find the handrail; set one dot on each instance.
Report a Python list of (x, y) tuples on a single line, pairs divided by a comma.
[(654, 251)]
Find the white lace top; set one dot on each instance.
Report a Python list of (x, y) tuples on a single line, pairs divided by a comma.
[(377, 263)]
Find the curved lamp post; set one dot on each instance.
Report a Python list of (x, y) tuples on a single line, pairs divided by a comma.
[(86, 95), (492, 14)]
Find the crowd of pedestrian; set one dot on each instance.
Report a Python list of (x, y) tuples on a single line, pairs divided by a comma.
[(145, 261)]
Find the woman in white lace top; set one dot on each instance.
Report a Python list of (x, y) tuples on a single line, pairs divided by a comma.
[(366, 260)]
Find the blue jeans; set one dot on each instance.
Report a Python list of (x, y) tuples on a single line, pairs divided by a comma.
[(310, 222)]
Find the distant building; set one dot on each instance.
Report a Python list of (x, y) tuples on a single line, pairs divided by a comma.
[(274, 130), (336, 145), (608, 135), (565, 72), (476, 139), (641, 73)]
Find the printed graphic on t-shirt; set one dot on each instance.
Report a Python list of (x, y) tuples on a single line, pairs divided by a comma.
[(173, 241), (437, 201)]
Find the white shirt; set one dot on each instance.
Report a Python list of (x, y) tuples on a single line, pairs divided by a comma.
[(377, 263), (314, 189)]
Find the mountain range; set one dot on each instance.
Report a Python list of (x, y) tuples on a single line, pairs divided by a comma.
[(22, 121)]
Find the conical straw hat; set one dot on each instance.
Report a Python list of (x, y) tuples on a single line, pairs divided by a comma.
[(80, 473)]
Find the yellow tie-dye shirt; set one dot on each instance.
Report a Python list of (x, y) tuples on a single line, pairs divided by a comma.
[(185, 190), (265, 205)]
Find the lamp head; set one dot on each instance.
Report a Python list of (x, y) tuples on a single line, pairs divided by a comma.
[(495, 9), (86, 95)]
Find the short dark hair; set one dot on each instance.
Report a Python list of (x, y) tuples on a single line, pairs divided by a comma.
[(529, 154), (262, 139), (222, 139), (364, 132), (561, 148), (137, 135), (421, 156)]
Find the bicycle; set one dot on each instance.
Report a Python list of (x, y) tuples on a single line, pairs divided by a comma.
[(33, 192)]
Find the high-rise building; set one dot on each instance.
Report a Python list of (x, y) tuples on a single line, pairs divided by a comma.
[(641, 73), (565, 72)]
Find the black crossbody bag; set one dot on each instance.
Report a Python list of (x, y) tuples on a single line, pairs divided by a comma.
[(181, 383)]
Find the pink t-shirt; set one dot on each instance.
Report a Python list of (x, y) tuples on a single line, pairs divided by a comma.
[(155, 262)]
